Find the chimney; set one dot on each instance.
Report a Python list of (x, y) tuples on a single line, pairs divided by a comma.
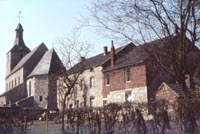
[(82, 59), (175, 30), (112, 54), (105, 50)]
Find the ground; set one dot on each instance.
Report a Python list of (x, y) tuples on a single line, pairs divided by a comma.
[(40, 127)]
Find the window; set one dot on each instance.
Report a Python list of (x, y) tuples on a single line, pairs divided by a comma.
[(128, 96), (15, 82), (107, 79), (92, 101), (127, 74), (7, 86), (12, 84), (105, 102), (40, 98), (29, 92), (91, 82), (18, 80), (77, 103), (187, 80), (82, 85)]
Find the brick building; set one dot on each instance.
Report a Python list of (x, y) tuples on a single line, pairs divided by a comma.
[(89, 90), (29, 80), (129, 73)]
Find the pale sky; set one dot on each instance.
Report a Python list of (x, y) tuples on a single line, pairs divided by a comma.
[(42, 21)]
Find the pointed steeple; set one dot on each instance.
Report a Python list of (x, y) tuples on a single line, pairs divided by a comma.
[(19, 45), (18, 51), (19, 41)]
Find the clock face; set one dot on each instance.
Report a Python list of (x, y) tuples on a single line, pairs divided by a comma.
[(20, 48)]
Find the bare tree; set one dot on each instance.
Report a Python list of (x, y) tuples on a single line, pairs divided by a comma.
[(71, 49), (142, 21)]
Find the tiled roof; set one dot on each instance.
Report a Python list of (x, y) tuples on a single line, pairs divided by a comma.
[(40, 49)]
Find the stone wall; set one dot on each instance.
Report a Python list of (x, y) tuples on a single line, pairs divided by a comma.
[(15, 79), (94, 93), (41, 87)]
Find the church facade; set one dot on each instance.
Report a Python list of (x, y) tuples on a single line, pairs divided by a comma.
[(31, 75)]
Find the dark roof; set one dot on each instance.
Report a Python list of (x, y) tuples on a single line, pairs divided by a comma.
[(15, 94), (98, 60), (43, 65), (48, 60), (40, 49), (19, 45), (19, 27), (23, 49), (140, 54), (177, 89)]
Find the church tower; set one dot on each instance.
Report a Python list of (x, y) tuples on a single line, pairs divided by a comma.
[(17, 52)]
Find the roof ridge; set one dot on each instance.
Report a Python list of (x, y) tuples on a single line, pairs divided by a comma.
[(26, 58)]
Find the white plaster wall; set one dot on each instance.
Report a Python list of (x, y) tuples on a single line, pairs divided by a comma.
[(138, 95)]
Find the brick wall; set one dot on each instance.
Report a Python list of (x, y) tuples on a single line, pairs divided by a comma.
[(164, 93), (117, 79)]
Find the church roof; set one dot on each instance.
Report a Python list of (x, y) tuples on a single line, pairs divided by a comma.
[(23, 49), (19, 27), (30, 56), (19, 45), (46, 64)]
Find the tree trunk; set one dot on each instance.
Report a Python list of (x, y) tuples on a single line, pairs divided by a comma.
[(63, 113)]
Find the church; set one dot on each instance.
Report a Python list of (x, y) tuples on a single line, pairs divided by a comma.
[(31, 75)]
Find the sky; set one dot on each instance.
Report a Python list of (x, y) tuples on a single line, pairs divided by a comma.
[(43, 21)]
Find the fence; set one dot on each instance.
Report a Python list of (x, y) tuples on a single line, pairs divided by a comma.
[(130, 118)]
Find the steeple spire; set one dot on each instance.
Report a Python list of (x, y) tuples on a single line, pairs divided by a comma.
[(18, 51), (19, 41)]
